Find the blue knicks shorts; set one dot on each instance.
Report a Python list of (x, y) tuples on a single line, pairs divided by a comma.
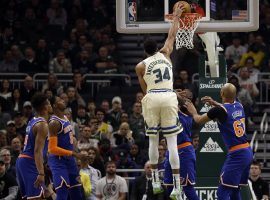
[(187, 159), (64, 171), (235, 170), (27, 173)]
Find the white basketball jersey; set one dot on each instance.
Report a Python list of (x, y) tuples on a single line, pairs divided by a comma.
[(158, 72)]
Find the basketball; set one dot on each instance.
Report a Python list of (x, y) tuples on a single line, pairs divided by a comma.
[(187, 8)]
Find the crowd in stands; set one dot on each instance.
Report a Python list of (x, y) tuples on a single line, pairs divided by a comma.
[(79, 37)]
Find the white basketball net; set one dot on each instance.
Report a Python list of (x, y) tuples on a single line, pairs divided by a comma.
[(188, 23)]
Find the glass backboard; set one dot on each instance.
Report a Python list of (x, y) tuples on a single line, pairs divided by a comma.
[(147, 16)]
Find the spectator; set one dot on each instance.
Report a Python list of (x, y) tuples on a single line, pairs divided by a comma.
[(5, 155), (60, 64), (115, 112), (124, 118), (52, 84), (43, 55), (105, 63), (136, 120), (9, 64), (29, 64), (5, 91), (10, 131), (161, 156), (246, 82), (105, 150), (123, 137), (244, 98), (139, 97), (28, 90), (91, 106), (4, 117), (92, 56), (15, 101), (74, 99), (95, 136), (78, 47), (83, 63), (20, 125), (27, 112), (94, 174), (3, 138), (234, 52), (56, 14), (80, 84), (111, 186), (66, 48), (16, 148), (81, 118), (260, 187), (17, 55), (136, 155), (253, 72), (105, 105), (103, 127), (29, 22), (9, 187), (85, 141), (75, 127), (95, 160), (142, 186), (256, 53), (123, 161), (196, 141)]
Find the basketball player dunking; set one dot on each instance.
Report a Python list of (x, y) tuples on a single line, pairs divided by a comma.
[(231, 122), (160, 103)]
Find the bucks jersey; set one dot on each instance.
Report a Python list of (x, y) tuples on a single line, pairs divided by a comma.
[(158, 72)]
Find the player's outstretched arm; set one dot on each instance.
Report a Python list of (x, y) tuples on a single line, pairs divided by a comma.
[(168, 46), (41, 132), (199, 119), (210, 101)]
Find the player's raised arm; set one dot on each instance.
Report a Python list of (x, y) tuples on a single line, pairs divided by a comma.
[(168, 46), (199, 119), (41, 132), (140, 69)]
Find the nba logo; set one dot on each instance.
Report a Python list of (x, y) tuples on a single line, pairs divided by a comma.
[(132, 11)]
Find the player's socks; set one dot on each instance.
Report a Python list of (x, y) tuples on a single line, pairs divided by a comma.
[(176, 181), (156, 182), (190, 192), (176, 193)]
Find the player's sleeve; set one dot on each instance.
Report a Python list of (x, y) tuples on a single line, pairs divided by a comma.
[(54, 149), (218, 113)]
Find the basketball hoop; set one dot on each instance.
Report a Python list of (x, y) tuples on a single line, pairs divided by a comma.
[(188, 23)]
